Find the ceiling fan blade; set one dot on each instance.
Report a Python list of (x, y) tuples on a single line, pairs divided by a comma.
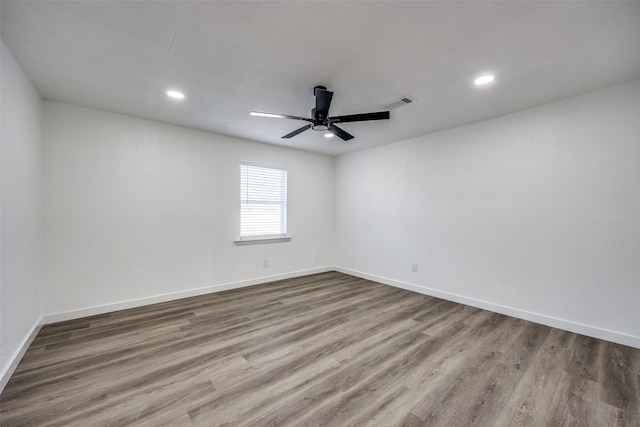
[(278, 116), (340, 132), (380, 115), (323, 102), (297, 131)]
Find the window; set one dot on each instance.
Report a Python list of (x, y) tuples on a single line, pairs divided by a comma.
[(263, 202)]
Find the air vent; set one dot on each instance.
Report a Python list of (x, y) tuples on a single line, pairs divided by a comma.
[(399, 103)]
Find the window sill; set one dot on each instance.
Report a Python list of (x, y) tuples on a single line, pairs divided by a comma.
[(254, 240)]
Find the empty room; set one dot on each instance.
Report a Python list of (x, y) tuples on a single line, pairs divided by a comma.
[(320, 213)]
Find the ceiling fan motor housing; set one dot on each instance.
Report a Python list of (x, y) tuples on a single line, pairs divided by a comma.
[(319, 123)]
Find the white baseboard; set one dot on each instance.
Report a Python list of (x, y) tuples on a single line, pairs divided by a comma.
[(579, 328), (16, 357), (123, 305)]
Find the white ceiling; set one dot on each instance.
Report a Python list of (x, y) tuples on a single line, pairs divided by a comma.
[(233, 57)]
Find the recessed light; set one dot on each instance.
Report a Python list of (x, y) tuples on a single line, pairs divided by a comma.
[(258, 114), (329, 135), (175, 94), (484, 80)]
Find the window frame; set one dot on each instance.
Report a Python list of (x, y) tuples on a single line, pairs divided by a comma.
[(284, 216)]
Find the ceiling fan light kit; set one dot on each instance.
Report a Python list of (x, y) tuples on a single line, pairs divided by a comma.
[(321, 121)]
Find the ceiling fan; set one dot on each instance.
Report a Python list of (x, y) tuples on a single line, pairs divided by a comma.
[(321, 121)]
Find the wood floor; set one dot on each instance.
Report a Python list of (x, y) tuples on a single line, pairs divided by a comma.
[(322, 350)]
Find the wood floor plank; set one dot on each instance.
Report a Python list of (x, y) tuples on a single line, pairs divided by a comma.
[(536, 392), (320, 350), (619, 386)]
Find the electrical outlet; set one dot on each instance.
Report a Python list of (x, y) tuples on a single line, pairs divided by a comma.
[(265, 263), (414, 268)]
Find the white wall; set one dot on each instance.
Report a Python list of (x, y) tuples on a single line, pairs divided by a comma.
[(136, 209), (20, 213), (535, 214)]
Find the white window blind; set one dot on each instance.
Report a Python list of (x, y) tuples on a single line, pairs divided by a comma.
[(263, 201)]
